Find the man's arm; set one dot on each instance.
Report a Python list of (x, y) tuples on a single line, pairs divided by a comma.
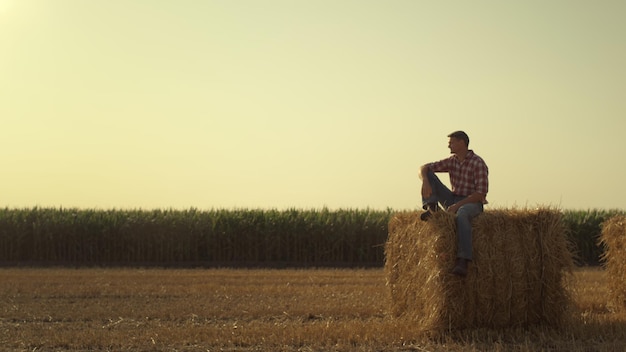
[(424, 172), (426, 188), (475, 197)]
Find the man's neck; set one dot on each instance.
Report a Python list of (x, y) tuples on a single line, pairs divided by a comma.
[(462, 154)]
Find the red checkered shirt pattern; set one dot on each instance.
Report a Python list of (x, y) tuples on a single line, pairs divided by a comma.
[(467, 177)]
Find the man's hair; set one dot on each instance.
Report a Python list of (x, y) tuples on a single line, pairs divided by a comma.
[(460, 135)]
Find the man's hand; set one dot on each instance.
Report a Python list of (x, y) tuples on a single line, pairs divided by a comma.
[(472, 198), (427, 191), (453, 208)]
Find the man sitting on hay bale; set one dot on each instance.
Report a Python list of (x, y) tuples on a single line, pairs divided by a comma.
[(469, 180)]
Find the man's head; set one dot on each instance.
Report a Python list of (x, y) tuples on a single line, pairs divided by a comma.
[(459, 141), (460, 135)]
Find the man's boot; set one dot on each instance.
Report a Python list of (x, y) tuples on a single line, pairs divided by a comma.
[(460, 268), (430, 209)]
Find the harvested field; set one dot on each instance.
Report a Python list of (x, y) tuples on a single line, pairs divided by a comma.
[(254, 310)]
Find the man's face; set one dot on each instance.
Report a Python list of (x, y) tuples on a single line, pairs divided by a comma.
[(455, 145)]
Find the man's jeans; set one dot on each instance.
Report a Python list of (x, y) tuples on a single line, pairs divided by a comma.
[(442, 194)]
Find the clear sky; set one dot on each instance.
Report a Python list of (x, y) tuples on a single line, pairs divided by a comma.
[(306, 104)]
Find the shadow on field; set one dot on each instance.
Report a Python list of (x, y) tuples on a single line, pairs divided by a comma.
[(588, 332)]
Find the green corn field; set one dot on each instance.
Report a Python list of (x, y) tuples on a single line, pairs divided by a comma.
[(46, 236), (584, 228), (222, 237)]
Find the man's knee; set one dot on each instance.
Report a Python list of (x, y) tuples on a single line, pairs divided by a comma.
[(469, 211)]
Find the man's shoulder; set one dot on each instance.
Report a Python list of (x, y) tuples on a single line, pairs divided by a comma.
[(473, 156)]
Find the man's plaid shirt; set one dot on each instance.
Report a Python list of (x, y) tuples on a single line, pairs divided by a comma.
[(467, 177)]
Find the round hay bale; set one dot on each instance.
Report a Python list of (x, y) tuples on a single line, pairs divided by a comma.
[(516, 278)]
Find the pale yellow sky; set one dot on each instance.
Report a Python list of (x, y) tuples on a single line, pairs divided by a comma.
[(293, 103)]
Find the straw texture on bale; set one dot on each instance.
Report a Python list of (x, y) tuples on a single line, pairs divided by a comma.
[(613, 239), (517, 277)]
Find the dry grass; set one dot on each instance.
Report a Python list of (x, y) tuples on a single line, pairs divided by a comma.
[(254, 310)]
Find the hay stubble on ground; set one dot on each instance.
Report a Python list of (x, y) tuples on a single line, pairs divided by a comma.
[(250, 310)]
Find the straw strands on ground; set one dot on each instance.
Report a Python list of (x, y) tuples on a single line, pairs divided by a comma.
[(613, 238), (517, 278)]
